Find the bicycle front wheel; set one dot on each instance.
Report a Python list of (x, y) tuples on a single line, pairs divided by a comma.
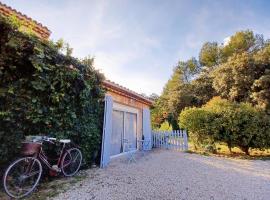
[(22, 176), (71, 162)]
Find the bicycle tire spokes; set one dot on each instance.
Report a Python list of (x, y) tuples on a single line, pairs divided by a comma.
[(22, 177), (71, 162)]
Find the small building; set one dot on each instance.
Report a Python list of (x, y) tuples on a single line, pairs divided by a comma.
[(126, 115)]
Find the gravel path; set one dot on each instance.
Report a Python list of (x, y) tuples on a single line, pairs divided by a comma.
[(166, 174)]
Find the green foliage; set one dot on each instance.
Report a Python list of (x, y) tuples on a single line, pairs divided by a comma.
[(240, 42), (209, 54), (236, 124), (202, 88), (198, 122), (260, 88), (245, 78), (153, 97), (14, 21), (238, 71), (165, 126), (261, 94), (233, 79), (176, 94), (44, 92), (64, 47)]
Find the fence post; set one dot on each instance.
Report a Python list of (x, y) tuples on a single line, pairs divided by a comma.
[(173, 139), (185, 140), (162, 139), (155, 139), (180, 140), (152, 138), (167, 139), (176, 140), (159, 140)]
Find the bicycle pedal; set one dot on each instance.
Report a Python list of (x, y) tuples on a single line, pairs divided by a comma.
[(56, 168)]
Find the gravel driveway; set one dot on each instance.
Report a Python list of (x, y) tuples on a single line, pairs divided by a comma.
[(166, 174)]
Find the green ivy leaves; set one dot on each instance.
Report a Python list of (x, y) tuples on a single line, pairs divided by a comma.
[(40, 93)]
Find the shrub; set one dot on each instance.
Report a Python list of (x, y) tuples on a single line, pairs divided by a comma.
[(198, 122), (44, 92), (165, 126), (237, 124)]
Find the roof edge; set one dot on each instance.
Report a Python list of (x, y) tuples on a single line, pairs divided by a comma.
[(112, 86), (8, 11)]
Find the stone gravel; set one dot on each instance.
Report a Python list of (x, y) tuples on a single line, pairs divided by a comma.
[(168, 174)]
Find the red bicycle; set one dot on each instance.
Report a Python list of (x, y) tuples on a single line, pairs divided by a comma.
[(23, 175)]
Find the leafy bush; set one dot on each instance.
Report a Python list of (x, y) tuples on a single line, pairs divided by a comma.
[(44, 92), (236, 124), (198, 122), (165, 126)]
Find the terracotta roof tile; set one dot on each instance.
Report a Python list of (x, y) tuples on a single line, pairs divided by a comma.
[(39, 28), (113, 85)]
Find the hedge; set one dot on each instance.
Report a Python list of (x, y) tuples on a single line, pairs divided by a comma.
[(43, 92), (236, 124)]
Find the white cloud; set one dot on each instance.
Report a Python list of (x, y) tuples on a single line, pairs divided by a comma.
[(226, 40), (137, 43), (115, 45)]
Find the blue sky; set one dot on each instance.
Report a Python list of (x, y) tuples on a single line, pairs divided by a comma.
[(136, 43)]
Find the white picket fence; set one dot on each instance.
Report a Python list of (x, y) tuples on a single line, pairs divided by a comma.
[(177, 139)]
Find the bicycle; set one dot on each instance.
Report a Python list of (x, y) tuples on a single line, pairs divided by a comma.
[(23, 175)]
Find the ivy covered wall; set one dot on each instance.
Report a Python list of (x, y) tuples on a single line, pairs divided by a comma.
[(43, 92)]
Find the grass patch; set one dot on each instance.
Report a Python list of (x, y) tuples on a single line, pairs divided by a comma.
[(50, 187), (223, 150)]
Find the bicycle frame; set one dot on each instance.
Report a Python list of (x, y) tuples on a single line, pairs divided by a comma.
[(44, 159), (29, 165)]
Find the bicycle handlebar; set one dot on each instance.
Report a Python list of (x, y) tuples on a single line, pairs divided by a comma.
[(43, 138), (46, 139)]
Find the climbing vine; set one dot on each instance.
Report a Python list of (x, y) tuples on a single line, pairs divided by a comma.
[(43, 92)]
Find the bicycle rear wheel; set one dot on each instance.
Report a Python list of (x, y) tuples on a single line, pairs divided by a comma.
[(71, 162), (22, 176)]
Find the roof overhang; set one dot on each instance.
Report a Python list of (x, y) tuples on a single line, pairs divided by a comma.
[(123, 91), (38, 28)]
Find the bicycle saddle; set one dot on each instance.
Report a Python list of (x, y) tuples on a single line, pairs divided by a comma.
[(65, 141)]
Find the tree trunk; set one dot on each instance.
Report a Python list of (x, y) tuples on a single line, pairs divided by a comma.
[(230, 147), (245, 150), (195, 147)]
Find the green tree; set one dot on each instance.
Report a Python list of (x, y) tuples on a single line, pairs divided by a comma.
[(236, 124), (176, 94), (260, 92), (260, 88), (153, 97), (240, 42), (202, 87), (189, 69), (165, 126), (198, 122), (245, 77), (237, 71), (233, 79), (209, 54)]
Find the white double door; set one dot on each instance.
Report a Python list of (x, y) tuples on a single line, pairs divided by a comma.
[(124, 127)]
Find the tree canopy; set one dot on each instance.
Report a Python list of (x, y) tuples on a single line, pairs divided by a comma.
[(238, 71)]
